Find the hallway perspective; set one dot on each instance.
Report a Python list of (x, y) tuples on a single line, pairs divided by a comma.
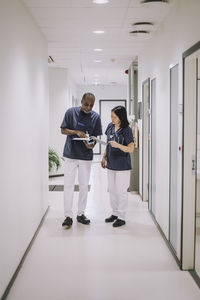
[(99, 262)]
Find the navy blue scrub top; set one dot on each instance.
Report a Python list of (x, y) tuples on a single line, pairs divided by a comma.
[(76, 119), (116, 158)]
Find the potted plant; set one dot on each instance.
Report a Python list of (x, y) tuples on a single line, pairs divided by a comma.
[(54, 160)]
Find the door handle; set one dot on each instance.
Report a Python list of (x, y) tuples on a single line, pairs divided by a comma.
[(193, 165)]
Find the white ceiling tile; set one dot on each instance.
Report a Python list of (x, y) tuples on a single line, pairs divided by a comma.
[(144, 12), (135, 3), (102, 13), (68, 27), (74, 3), (89, 23)]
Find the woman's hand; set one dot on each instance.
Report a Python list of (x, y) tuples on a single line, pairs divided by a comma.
[(103, 162), (114, 144)]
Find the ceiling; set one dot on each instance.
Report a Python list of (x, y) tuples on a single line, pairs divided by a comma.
[(68, 26)]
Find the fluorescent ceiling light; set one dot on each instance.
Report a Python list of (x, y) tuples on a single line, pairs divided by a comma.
[(100, 1), (97, 60), (98, 50), (98, 31)]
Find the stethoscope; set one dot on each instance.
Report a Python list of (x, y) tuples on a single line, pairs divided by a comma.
[(115, 135)]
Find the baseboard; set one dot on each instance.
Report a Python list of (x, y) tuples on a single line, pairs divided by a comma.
[(192, 273), (5, 294), (166, 240), (195, 277), (56, 175)]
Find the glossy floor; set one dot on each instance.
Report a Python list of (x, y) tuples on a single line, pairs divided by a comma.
[(99, 262)]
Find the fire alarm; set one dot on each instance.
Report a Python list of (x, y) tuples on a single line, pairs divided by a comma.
[(126, 71)]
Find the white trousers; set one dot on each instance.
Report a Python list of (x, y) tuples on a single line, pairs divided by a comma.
[(84, 168), (118, 183)]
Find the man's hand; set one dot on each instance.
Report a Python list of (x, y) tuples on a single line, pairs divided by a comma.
[(81, 134), (89, 146)]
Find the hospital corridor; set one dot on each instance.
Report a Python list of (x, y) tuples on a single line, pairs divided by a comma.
[(99, 150), (98, 261)]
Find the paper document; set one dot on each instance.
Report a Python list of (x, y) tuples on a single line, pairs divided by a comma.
[(82, 139), (98, 140), (89, 139)]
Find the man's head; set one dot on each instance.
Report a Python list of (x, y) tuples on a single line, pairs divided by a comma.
[(87, 102)]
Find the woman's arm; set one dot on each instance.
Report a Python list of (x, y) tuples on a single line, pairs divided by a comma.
[(103, 161), (129, 148)]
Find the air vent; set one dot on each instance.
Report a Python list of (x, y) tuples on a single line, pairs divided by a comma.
[(152, 1), (143, 26), (142, 23), (50, 60), (139, 32)]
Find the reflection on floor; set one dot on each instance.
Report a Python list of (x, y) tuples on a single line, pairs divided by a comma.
[(60, 188), (99, 262)]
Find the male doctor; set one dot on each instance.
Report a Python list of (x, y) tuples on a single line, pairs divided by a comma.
[(79, 154)]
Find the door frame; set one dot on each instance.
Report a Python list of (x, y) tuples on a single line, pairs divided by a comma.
[(152, 105), (170, 155), (145, 144)]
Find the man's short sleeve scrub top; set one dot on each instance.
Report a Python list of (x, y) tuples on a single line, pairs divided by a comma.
[(117, 159), (76, 119)]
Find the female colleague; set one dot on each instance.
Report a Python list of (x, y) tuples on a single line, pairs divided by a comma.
[(117, 160)]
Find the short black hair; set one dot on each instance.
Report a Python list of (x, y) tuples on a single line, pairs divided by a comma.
[(120, 111), (88, 95)]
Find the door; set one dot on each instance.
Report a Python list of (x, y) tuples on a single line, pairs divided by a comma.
[(197, 221), (190, 197), (173, 163), (152, 185)]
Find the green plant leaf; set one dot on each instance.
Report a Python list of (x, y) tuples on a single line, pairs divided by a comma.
[(54, 159)]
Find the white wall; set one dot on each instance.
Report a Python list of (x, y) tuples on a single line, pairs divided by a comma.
[(61, 91), (103, 92), (24, 134), (178, 32)]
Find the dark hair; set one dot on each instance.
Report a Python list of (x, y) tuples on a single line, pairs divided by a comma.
[(120, 111), (88, 95)]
